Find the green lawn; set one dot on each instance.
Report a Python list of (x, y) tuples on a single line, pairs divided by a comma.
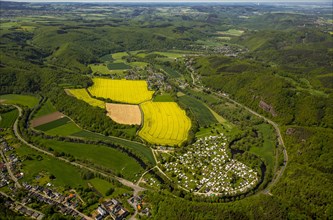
[(53, 124), (203, 115), (46, 109), (26, 100), (103, 156), (136, 147), (8, 119), (267, 150)]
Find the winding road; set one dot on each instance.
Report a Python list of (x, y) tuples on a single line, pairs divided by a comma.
[(279, 137), (125, 182), (278, 173), (17, 184)]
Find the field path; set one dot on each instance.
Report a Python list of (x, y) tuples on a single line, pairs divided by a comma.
[(17, 184), (278, 173), (125, 182)]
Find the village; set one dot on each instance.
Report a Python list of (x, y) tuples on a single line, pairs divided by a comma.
[(207, 168), (66, 203)]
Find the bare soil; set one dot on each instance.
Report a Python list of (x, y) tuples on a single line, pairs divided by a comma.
[(124, 114), (46, 119)]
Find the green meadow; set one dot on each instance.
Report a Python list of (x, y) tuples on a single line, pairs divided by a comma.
[(98, 155), (26, 100)]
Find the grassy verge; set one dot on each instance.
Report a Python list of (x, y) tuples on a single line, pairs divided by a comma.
[(8, 119)]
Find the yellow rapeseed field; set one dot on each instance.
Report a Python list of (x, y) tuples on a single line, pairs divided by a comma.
[(165, 123), (83, 95), (125, 91)]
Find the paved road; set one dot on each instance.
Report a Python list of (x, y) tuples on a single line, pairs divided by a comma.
[(279, 136), (18, 203), (17, 184), (75, 210), (125, 182), (136, 188), (279, 173)]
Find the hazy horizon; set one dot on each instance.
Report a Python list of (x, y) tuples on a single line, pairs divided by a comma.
[(182, 1)]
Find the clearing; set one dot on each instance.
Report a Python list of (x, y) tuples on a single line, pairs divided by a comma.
[(124, 114)]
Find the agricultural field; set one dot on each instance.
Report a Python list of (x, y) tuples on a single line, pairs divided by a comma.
[(231, 32), (125, 91), (171, 72), (52, 124), (135, 146), (64, 130), (38, 168), (98, 155), (46, 119), (138, 64), (118, 66), (26, 100), (119, 56), (7, 119), (163, 98), (60, 127), (47, 108), (124, 114), (200, 111), (165, 123), (172, 55), (82, 94), (66, 175)]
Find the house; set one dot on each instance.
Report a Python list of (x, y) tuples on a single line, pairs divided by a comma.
[(99, 217), (101, 211)]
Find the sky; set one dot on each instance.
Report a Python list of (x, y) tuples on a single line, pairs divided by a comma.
[(180, 1)]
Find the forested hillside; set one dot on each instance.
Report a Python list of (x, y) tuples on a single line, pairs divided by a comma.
[(274, 59)]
